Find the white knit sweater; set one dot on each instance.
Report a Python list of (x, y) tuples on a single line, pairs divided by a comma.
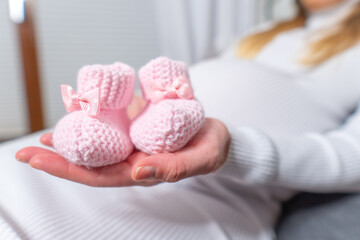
[(291, 126)]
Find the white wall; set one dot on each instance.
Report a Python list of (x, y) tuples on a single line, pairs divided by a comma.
[(12, 111), (79, 32), (192, 30), (71, 34)]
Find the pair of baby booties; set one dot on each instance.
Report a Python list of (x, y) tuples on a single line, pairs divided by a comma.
[(97, 130)]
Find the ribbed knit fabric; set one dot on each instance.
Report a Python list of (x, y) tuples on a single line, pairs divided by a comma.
[(102, 140), (7, 231), (255, 163), (38, 206), (166, 125)]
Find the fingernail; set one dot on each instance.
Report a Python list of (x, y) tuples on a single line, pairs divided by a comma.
[(20, 157), (146, 172)]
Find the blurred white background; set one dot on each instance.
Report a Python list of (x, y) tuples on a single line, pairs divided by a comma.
[(74, 33)]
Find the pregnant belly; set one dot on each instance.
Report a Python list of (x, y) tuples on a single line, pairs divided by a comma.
[(242, 93)]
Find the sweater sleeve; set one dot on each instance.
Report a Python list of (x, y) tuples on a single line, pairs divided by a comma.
[(311, 162)]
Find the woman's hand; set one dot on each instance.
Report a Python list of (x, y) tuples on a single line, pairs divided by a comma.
[(137, 104), (205, 153)]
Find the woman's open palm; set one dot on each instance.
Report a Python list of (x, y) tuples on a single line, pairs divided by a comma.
[(205, 153)]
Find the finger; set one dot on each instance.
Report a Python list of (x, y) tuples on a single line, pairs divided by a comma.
[(25, 154), (58, 166), (47, 139), (199, 156), (172, 167), (163, 167), (114, 175), (136, 106)]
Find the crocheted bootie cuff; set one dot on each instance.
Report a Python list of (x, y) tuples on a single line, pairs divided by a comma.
[(115, 83), (163, 78)]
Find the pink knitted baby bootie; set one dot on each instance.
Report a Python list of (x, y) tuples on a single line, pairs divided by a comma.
[(96, 132), (172, 116)]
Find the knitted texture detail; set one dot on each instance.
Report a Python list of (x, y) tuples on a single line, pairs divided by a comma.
[(116, 83), (161, 71), (165, 126), (102, 140)]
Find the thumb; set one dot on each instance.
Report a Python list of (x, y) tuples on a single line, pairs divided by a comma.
[(165, 167), (46, 139)]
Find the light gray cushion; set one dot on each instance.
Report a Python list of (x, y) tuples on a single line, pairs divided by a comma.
[(321, 217)]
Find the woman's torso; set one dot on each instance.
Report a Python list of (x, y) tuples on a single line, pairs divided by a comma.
[(275, 94)]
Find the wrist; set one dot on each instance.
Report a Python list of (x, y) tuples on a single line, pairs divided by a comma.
[(251, 156)]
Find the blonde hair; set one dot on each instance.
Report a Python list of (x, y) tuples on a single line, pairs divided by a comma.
[(345, 35)]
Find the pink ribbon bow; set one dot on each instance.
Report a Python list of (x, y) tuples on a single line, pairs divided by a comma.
[(88, 102), (180, 88)]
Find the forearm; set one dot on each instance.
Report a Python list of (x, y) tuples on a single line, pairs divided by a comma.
[(252, 157), (311, 162)]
